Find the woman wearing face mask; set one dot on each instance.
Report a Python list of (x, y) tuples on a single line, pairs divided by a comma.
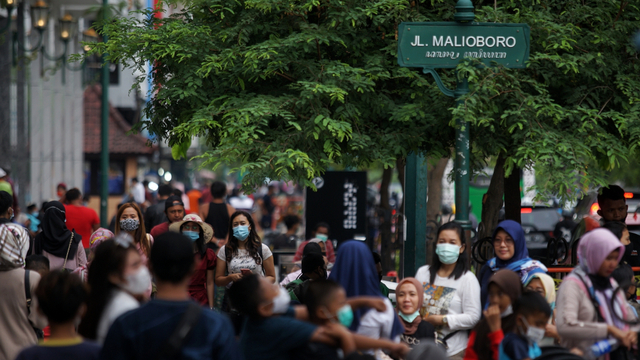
[(409, 296), (129, 221), (544, 285), (585, 297), (452, 292), (116, 277), (201, 287), (484, 341), (356, 272), (62, 247), (511, 253), (244, 253)]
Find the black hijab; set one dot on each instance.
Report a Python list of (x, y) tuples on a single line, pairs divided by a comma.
[(55, 236)]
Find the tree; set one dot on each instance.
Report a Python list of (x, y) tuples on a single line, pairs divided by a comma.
[(287, 87)]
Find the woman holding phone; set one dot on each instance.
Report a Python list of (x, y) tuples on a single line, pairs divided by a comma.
[(244, 253)]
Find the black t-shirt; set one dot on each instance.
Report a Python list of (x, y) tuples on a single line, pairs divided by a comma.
[(425, 331)]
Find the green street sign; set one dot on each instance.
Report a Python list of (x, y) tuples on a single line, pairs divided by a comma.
[(444, 44)]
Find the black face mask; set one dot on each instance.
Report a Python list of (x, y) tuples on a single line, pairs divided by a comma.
[(379, 277), (628, 249)]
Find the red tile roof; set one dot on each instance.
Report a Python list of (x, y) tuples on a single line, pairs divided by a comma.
[(119, 141)]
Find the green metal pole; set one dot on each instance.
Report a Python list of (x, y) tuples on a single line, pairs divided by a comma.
[(415, 209), (104, 155), (462, 160), (464, 14)]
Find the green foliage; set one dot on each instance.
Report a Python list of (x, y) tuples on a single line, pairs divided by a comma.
[(287, 87)]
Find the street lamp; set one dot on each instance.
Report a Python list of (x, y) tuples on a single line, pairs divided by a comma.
[(67, 28), (7, 4), (40, 15), (89, 36)]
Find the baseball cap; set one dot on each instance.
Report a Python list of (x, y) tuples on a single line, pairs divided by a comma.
[(172, 201)]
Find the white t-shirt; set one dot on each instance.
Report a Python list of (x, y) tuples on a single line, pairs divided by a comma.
[(378, 325), (120, 303), (458, 299), (242, 260)]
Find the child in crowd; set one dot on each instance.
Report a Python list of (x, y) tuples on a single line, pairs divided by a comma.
[(96, 239), (623, 275), (267, 336), (37, 263), (327, 305), (274, 329), (61, 298), (504, 288), (532, 314)]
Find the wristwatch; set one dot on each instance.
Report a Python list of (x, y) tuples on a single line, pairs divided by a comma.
[(444, 321)]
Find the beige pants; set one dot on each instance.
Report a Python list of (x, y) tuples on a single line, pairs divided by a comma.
[(458, 356)]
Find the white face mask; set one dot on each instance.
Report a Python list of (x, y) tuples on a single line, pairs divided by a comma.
[(138, 282), (281, 302), (508, 311), (534, 334)]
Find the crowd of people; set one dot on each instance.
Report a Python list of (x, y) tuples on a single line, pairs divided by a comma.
[(204, 286)]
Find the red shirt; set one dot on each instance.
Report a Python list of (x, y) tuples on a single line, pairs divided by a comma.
[(495, 338), (198, 283), (159, 229), (331, 256), (81, 219)]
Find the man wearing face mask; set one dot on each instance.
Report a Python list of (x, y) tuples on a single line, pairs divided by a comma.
[(174, 209), (532, 314), (321, 232), (171, 325)]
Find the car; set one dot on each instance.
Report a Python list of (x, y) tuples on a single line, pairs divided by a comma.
[(538, 223)]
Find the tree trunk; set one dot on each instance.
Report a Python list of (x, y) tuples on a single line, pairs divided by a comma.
[(434, 182), (386, 247), (492, 201), (512, 200), (435, 171)]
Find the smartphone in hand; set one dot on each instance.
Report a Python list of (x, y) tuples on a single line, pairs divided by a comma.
[(245, 272)]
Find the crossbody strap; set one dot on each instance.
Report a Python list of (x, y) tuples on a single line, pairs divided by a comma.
[(64, 266), (181, 332)]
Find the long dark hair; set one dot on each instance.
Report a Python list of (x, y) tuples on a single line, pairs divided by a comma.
[(462, 265), (202, 249), (110, 258), (253, 241), (140, 235)]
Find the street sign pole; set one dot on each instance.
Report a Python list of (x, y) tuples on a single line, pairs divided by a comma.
[(439, 45)]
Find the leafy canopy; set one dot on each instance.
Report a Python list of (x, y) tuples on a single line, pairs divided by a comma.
[(287, 87)]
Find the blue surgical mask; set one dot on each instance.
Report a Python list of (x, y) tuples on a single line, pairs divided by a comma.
[(409, 318), (448, 253), (241, 232), (193, 235), (322, 237)]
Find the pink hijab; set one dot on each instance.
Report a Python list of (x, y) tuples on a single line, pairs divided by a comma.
[(594, 248)]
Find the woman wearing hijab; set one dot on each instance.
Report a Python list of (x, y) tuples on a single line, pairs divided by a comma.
[(409, 297), (484, 341), (585, 297), (62, 247), (544, 285), (510, 249), (355, 271)]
